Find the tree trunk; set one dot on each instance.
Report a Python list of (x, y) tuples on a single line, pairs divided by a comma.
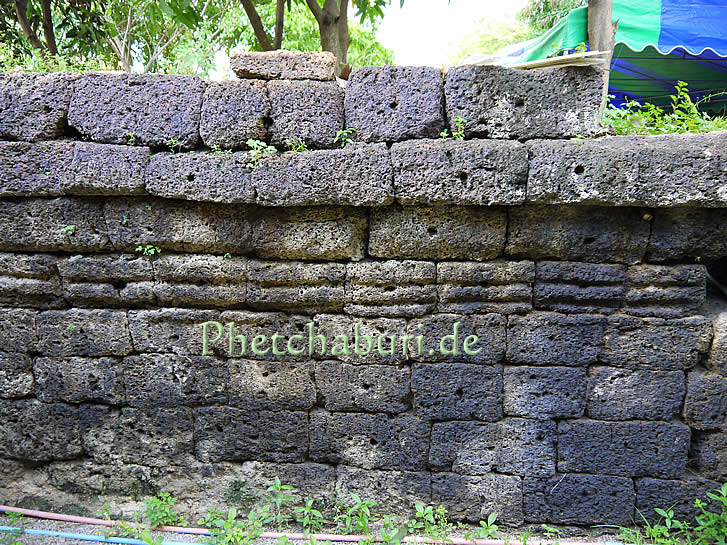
[(601, 33), (257, 25), (333, 26), (279, 19), (21, 11), (48, 31)]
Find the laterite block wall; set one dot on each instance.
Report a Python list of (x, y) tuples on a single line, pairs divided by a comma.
[(578, 261)]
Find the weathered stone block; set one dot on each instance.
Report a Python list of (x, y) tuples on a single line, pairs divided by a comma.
[(709, 455), (63, 224), (498, 102), (579, 499), (83, 332), (500, 286), (17, 329), (705, 406), (178, 226), (271, 386), (390, 288), (151, 437), (86, 477), (367, 388), (39, 432), (358, 175), (655, 343), (571, 287), (30, 279), (79, 380), (476, 172), (452, 391), (394, 491), (16, 375), (636, 449), (582, 233), (316, 65), (234, 112), (620, 394), (308, 111), (443, 232), (547, 338), (149, 109), (34, 106), (71, 168), (665, 291), (228, 434), (258, 324), (630, 171), (393, 103), (168, 380), (438, 343), (683, 234), (201, 176), (475, 498), (170, 331), (678, 495), (718, 354), (514, 446), (317, 234), (544, 392), (370, 441), (296, 287)]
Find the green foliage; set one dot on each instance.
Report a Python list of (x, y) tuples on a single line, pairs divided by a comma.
[(297, 146), (217, 150), (149, 250), (280, 495), (231, 531), (357, 517), (431, 521), (258, 151), (684, 117), (712, 527), (344, 136), (458, 130), (310, 518), (491, 36), (69, 229), (16, 519), (160, 509), (488, 529), (541, 15), (389, 533)]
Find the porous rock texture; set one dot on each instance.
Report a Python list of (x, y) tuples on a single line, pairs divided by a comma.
[(515, 322)]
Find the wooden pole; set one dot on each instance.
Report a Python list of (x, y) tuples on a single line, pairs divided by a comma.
[(601, 32)]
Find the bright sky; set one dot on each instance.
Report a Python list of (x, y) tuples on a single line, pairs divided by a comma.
[(426, 32)]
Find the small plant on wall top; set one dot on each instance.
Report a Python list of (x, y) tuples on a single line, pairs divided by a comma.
[(344, 137), (258, 151), (149, 250)]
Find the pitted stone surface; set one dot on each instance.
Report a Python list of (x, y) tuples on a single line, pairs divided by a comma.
[(83, 332), (475, 172), (16, 375), (718, 354), (34, 106), (315, 65), (709, 455), (665, 291), (705, 406), (234, 112), (544, 392), (80, 380), (395, 491), (154, 110), (253, 324), (17, 329), (30, 280), (275, 386), (474, 498), (651, 493), (498, 102), (684, 234)]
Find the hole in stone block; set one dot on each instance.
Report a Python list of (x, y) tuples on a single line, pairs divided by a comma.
[(432, 231), (462, 176), (373, 442), (190, 177), (589, 240), (580, 169)]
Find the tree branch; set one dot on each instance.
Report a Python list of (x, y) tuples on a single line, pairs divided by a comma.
[(21, 9), (279, 20), (257, 25), (48, 32), (315, 9)]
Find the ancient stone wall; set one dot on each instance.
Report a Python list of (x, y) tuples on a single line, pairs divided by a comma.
[(600, 383)]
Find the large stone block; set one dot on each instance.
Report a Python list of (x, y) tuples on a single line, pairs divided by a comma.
[(366, 388), (235, 435), (444, 232), (170, 330), (654, 494), (246, 326), (152, 437), (393, 103), (83, 332), (390, 288), (684, 234), (577, 233), (498, 102), (30, 280), (34, 106), (234, 112), (475, 498), (79, 380), (296, 286), (547, 338), (718, 354), (178, 226), (394, 491), (307, 111), (544, 392), (71, 168), (705, 405), (709, 455), (149, 109), (201, 176), (655, 343), (17, 330), (570, 287), (626, 394), (358, 175), (455, 391), (315, 65), (476, 172), (274, 386), (634, 448), (369, 441), (317, 234), (499, 286), (513, 446), (16, 375), (665, 291), (39, 432), (579, 499), (63, 224), (630, 171), (170, 380)]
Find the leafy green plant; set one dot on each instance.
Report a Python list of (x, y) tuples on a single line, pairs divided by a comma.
[(174, 145), (160, 511), (458, 130), (712, 527), (431, 521), (281, 494), (310, 518), (444, 135), (217, 150), (344, 136), (390, 534), (297, 146), (131, 138), (69, 229), (488, 529), (357, 517), (259, 150), (228, 529), (149, 250), (16, 519)]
